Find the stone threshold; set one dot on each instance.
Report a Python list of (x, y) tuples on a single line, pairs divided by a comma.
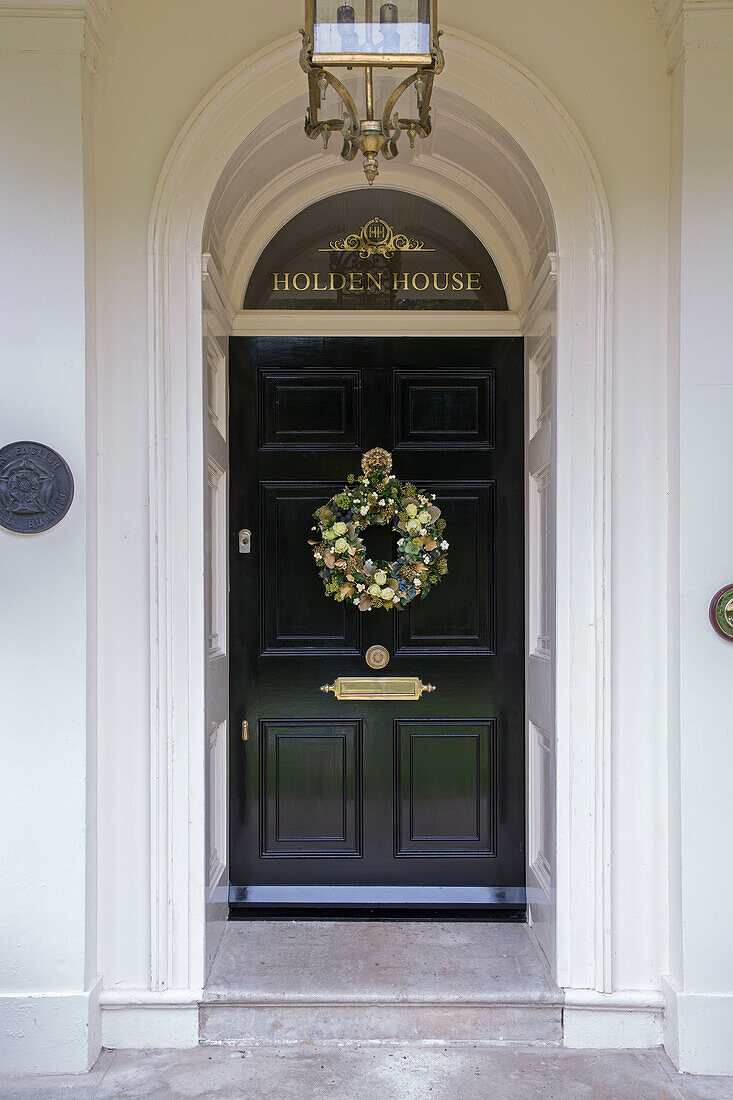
[(315, 981)]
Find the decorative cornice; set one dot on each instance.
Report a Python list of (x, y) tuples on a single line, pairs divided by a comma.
[(691, 24), (543, 285), (214, 292), (97, 14), (668, 12), (96, 11), (66, 27)]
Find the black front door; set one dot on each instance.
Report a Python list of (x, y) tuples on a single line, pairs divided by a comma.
[(346, 803)]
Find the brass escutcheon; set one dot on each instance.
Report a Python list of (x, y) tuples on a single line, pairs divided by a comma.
[(377, 656)]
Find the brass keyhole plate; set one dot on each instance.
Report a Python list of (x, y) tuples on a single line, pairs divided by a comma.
[(377, 657)]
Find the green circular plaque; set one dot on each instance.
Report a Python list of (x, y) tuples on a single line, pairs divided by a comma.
[(721, 612)]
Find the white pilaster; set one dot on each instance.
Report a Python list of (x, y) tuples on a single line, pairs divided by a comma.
[(699, 991), (49, 990)]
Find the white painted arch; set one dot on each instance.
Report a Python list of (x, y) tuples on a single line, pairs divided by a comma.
[(478, 81), (469, 164), (325, 177)]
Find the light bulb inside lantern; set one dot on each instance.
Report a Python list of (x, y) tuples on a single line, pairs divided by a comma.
[(389, 20), (345, 23)]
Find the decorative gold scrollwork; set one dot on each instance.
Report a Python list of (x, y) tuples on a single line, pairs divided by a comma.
[(374, 238)]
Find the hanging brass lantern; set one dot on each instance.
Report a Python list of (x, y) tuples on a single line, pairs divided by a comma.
[(347, 34)]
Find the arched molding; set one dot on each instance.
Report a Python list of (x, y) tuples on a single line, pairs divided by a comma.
[(309, 182), (268, 178), (483, 80)]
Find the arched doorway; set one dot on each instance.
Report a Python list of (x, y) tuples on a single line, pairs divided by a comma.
[(518, 173)]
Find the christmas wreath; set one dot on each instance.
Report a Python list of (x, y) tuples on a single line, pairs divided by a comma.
[(377, 497)]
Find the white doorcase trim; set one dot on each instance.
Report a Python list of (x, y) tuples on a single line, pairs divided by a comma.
[(347, 322), (489, 81)]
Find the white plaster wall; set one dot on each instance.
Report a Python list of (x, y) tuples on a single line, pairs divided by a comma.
[(47, 641), (606, 63), (706, 376), (700, 995)]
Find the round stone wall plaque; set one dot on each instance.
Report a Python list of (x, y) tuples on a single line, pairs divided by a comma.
[(36, 487)]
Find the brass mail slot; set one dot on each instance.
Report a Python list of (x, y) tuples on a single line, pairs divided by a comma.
[(373, 688)]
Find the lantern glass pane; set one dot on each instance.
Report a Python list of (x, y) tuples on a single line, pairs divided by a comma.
[(372, 28)]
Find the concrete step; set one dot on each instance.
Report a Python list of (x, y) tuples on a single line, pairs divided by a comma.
[(289, 982)]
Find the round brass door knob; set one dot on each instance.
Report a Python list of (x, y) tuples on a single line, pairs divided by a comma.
[(377, 657), (721, 612)]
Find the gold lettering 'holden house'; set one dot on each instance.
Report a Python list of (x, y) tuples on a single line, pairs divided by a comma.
[(418, 281), (385, 254)]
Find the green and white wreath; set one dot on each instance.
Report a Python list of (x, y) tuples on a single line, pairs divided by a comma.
[(377, 497)]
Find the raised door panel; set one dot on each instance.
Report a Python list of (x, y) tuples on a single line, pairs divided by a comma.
[(540, 366), (446, 788), (295, 619), (460, 615), (311, 788), (436, 410), (311, 410), (216, 629)]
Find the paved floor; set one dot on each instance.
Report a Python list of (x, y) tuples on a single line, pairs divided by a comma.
[(434, 962), (359, 1072)]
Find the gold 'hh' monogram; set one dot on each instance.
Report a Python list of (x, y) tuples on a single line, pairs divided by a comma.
[(376, 238)]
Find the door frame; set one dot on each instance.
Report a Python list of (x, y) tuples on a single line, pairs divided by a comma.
[(536, 121)]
